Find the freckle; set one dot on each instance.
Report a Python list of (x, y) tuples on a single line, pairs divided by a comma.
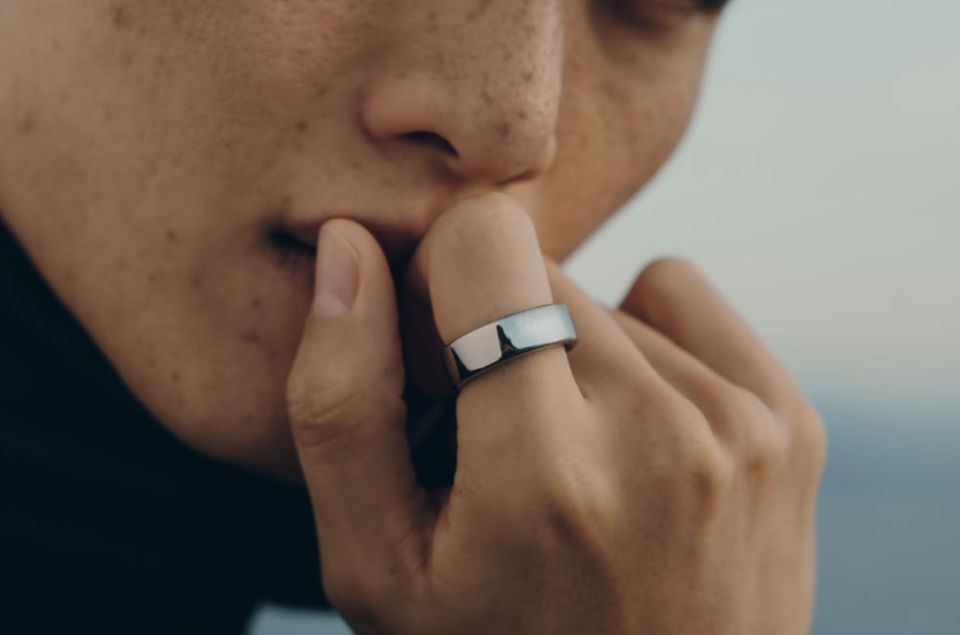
[(196, 282), (56, 44), (527, 77), (508, 56), (172, 236), (273, 355), (505, 129), (480, 10), (522, 115), (175, 376), (142, 31), (356, 165), (27, 124), (486, 98), (250, 338), (63, 97), (153, 278), (120, 18), (257, 302), (302, 126), (322, 91)]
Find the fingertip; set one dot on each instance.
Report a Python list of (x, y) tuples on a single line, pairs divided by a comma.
[(338, 273), (661, 279), (466, 233), (375, 289), (483, 261)]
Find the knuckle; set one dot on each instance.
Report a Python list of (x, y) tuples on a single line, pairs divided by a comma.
[(577, 504), (810, 438), (662, 275), (706, 477), (760, 439), (733, 406), (319, 414), (659, 285), (766, 451)]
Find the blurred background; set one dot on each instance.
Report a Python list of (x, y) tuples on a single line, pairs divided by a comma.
[(819, 188)]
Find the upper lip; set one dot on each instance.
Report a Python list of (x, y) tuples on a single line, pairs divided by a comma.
[(398, 233)]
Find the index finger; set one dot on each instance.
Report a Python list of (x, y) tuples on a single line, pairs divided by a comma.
[(483, 262)]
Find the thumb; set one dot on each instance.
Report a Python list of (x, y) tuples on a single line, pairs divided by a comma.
[(347, 415)]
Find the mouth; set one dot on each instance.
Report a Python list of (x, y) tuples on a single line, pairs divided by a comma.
[(291, 246), (295, 255)]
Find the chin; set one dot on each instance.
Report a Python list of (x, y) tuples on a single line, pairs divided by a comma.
[(272, 454), (257, 439), (267, 448)]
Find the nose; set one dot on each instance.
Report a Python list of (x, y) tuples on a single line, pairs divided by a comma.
[(475, 87)]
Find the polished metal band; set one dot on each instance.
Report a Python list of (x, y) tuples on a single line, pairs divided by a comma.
[(508, 338)]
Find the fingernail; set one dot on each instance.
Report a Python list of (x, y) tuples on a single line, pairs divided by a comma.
[(338, 277)]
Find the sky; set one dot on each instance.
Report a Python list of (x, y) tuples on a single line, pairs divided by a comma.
[(818, 188)]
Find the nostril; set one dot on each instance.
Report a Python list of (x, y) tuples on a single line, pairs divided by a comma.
[(432, 139)]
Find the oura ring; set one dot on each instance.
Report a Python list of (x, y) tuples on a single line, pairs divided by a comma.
[(505, 339)]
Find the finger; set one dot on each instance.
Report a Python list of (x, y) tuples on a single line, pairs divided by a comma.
[(631, 377), (715, 396), (675, 298), (605, 358), (620, 349), (344, 397), (483, 262)]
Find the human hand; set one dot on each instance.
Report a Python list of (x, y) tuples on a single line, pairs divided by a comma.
[(661, 477)]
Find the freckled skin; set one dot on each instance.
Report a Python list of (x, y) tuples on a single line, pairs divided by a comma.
[(147, 148)]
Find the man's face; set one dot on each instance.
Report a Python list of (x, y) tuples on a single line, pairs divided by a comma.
[(161, 160)]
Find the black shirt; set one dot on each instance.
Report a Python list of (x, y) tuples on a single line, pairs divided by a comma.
[(108, 524)]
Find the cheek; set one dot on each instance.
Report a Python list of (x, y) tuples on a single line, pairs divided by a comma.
[(618, 125), (609, 148), (641, 125), (148, 235)]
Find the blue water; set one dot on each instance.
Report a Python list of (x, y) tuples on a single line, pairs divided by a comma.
[(889, 522), (888, 526)]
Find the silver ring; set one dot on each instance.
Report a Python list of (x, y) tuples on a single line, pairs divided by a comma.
[(505, 339)]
